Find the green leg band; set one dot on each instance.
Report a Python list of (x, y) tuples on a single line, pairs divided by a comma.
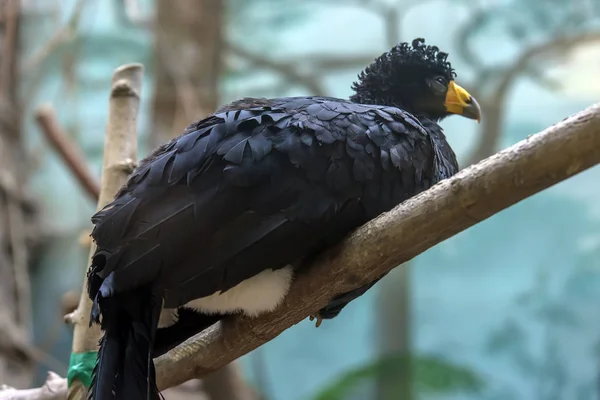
[(81, 366)]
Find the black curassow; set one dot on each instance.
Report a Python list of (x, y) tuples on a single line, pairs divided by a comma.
[(216, 221)]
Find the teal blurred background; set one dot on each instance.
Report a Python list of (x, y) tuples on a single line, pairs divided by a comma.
[(508, 309)]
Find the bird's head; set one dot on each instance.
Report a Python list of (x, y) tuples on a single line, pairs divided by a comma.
[(417, 78)]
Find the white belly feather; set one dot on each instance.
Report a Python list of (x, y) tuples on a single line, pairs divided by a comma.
[(256, 295)]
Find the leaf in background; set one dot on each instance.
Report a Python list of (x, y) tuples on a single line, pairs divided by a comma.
[(430, 375), (434, 375)]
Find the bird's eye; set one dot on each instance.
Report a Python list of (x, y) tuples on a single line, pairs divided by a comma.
[(438, 84)]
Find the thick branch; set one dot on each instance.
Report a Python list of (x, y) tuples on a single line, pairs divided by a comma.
[(71, 155), (418, 224), (120, 150)]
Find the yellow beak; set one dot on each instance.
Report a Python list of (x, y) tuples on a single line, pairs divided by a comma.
[(459, 101)]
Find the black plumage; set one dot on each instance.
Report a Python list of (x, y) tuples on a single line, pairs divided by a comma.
[(260, 185)]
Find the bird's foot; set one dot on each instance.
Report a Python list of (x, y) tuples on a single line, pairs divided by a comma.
[(318, 318)]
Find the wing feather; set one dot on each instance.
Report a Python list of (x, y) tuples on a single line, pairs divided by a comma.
[(256, 188)]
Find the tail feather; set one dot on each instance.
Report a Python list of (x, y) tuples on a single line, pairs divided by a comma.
[(139, 376), (106, 370), (125, 369)]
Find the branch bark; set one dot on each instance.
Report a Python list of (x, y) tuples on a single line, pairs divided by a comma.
[(120, 151), (451, 206)]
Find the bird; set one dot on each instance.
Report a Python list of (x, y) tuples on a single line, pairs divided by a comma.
[(217, 221)]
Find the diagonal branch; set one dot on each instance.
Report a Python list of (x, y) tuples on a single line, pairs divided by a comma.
[(474, 194), (67, 150)]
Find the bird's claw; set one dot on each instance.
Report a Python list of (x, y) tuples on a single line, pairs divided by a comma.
[(318, 318)]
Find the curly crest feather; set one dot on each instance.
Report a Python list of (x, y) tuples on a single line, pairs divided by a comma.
[(391, 77)]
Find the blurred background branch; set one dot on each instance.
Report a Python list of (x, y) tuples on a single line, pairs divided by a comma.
[(17, 216), (46, 118)]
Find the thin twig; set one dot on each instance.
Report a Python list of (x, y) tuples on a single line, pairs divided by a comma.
[(120, 151), (67, 150)]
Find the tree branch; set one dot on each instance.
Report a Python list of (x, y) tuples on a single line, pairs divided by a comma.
[(120, 151), (70, 153), (451, 206)]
